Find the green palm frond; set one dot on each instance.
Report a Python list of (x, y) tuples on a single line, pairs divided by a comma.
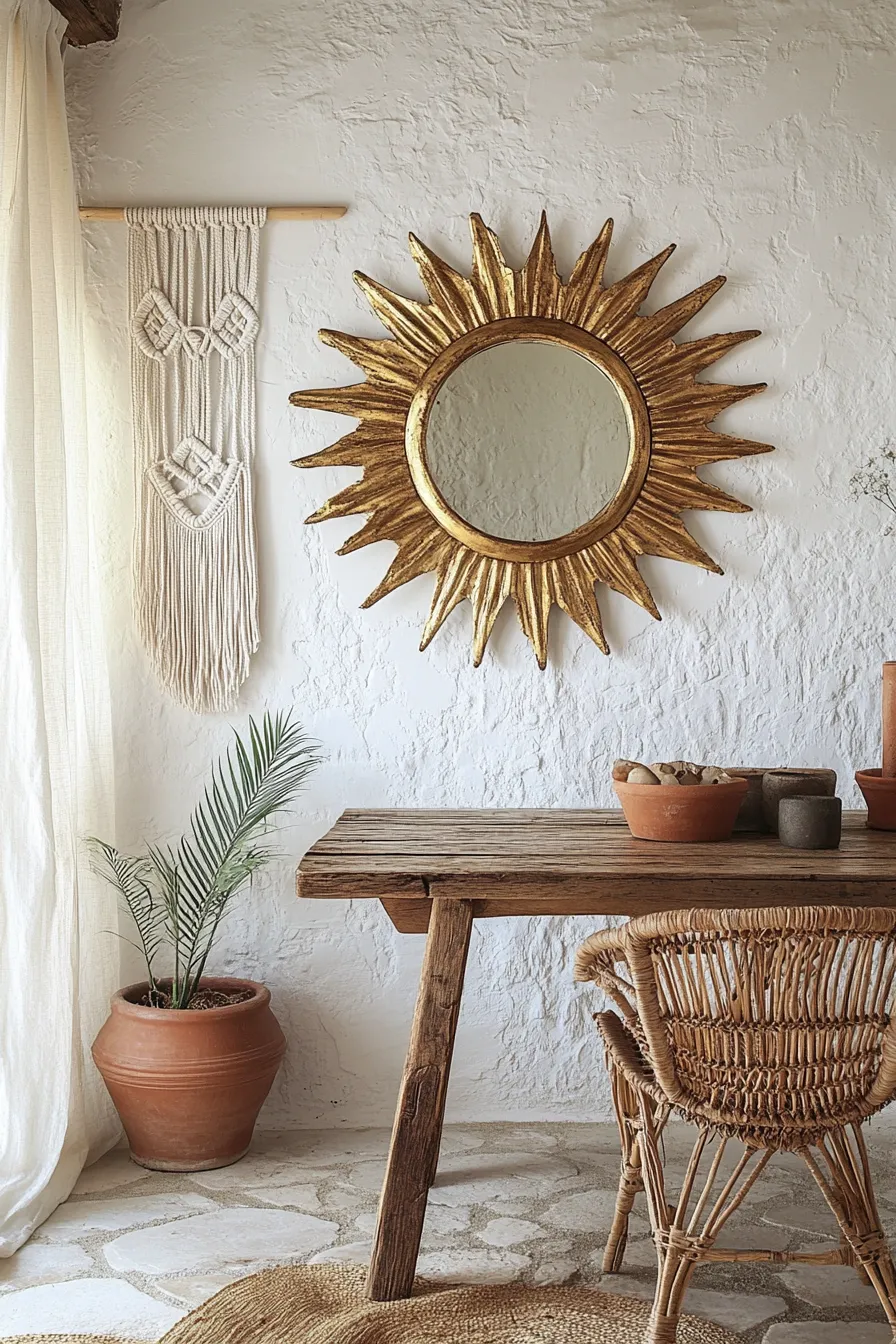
[(250, 784), (192, 882), (131, 877)]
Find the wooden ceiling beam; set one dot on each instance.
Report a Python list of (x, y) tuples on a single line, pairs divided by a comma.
[(90, 20)]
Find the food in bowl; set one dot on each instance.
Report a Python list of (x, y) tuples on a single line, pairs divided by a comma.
[(669, 772), (678, 800)]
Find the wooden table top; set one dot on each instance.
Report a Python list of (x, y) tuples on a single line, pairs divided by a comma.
[(560, 861)]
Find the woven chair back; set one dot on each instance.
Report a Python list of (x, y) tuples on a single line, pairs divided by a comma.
[(769, 1021)]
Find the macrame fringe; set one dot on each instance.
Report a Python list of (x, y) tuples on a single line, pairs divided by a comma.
[(197, 599), (193, 277)]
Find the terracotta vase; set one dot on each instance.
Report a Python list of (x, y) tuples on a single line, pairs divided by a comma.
[(880, 799), (188, 1083), (702, 812)]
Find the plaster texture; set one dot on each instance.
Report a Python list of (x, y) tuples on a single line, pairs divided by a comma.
[(758, 134)]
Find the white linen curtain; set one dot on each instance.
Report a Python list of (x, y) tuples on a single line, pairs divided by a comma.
[(58, 964)]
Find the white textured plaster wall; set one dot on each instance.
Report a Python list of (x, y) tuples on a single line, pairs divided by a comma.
[(760, 135)]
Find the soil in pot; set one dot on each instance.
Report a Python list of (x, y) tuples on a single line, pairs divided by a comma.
[(206, 998), (188, 1084)]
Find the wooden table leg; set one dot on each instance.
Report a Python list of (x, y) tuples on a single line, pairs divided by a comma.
[(414, 1151)]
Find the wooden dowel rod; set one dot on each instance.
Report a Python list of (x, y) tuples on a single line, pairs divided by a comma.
[(114, 212), (889, 721)]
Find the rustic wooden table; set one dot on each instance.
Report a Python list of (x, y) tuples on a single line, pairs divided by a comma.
[(436, 871)]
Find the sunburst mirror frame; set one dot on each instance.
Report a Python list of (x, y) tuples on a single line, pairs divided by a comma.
[(669, 412)]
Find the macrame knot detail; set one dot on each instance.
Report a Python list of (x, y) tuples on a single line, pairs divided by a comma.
[(199, 468), (159, 332), (191, 469), (192, 301)]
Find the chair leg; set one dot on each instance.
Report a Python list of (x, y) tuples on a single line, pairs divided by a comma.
[(630, 1185), (675, 1274), (630, 1180), (848, 1189), (675, 1255), (684, 1236), (850, 1259)]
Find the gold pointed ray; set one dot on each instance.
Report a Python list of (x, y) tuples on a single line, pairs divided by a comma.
[(382, 361), (697, 406), (539, 287), (682, 364), (490, 590), (353, 499), (695, 356), (676, 469), (383, 525), (398, 504), (361, 447), (641, 341), (534, 597), (614, 563), (454, 295), (492, 277), (382, 487), (679, 493), (388, 478), (666, 322), (367, 401), (573, 588), (659, 533), (583, 292), (419, 555), (419, 326), (701, 445), (453, 585), (621, 301)]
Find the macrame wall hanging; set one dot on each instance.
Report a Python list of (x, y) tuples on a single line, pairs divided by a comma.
[(193, 280)]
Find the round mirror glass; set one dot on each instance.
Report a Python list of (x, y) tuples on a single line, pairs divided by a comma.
[(527, 440)]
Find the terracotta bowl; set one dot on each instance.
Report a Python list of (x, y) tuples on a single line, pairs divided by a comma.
[(880, 799), (699, 812)]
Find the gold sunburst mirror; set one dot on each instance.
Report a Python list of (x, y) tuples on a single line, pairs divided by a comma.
[(528, 438)]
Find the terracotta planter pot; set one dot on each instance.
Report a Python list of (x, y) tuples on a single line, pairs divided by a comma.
[(663, 812), (187, 1083), (880, 799)]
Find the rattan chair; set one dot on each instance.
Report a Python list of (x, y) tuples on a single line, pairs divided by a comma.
[(767, 1028)]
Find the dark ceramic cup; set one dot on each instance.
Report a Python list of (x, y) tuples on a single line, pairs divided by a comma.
[(810, 823), (778, 784)]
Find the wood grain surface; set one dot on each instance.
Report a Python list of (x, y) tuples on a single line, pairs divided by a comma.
[(561, 862), (90, 20), (414, 1151)]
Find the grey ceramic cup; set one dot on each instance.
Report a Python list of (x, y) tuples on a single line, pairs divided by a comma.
[(778, 784), (810, 822)]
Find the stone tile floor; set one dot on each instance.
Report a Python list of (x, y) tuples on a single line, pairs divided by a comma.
[(132, 1251)]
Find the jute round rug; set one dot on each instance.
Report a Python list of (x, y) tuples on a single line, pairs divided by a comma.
[(325, 1304)]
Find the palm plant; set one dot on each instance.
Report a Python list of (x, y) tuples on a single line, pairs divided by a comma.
[(178, 894)]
